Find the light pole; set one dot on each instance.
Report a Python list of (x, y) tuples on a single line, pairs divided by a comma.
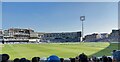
[(82, 18)]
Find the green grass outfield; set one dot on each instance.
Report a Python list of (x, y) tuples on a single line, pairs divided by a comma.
[(64, 50)]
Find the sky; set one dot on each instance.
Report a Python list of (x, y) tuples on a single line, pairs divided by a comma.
[(61, 16), (0, 15), (60, 0), (119, 15)]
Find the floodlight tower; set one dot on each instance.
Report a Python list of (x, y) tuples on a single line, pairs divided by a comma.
[(82, 18)]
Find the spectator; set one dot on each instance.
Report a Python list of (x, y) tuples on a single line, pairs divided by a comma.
[(23, 60), (28, 61), (109, 59), (89, 60), (35, 59), (104, 58), (94, 58), (77, 59), (100, 60), (67, 60), (97, 60), (43, 59), (0, 57), (116, 55), (72, 59), (62, 59), (53, 58), (5, 58), (16, 60), (83, 58)]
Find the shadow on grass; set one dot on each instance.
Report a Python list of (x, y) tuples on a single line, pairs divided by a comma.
[(108, 50)]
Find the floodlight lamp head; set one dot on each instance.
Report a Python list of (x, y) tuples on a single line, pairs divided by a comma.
[(82, 18)]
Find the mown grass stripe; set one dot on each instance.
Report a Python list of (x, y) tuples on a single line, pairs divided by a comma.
[(64, 50)]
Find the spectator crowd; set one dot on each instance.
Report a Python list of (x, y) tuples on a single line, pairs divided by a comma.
[(53, 58)]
